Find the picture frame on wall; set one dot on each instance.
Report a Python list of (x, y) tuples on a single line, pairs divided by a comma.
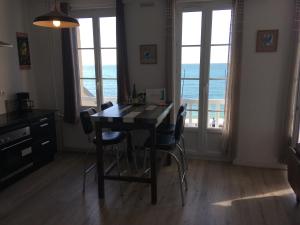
[(23, 50), (267, 40), (148, 54)]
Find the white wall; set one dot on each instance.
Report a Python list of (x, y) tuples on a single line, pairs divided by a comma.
[(145, 25), (12, 79), (264, 84)]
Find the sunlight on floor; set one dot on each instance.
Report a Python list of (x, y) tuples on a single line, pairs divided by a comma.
[(282, 192)]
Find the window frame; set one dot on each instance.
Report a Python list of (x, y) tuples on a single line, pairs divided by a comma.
[(206, 29), (95, 14)]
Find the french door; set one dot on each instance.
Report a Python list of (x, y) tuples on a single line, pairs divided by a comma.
[(203, 49)]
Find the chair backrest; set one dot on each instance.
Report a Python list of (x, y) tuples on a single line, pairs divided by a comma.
[(181, 109), (106, 105), (86, 122), (179, 126)]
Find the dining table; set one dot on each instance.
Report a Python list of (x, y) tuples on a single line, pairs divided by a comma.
[(128, 117)]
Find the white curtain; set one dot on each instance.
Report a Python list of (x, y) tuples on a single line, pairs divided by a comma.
[(293, 111), (233, 83)]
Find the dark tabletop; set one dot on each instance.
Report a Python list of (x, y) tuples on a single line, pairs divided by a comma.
[(11, 119), (150, 114)]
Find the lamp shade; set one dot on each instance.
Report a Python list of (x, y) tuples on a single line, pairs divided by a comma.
[(55, 19), (4, 44)]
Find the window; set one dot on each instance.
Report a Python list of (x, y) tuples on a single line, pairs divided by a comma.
[(205, 34), (97, 57), (218, 67)]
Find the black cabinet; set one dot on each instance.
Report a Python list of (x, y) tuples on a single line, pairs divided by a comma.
[(27, 142), (44, 139)]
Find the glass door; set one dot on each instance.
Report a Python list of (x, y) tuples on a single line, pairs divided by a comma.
[(204, 48)]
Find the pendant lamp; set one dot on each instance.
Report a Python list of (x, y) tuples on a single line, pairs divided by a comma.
[(56, 19), (4, 44)]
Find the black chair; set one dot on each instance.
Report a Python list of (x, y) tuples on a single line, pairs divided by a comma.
[(170, 128), (169, 144), (109, 138), (106, 105)]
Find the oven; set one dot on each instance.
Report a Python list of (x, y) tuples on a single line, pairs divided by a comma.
[(16, 155)]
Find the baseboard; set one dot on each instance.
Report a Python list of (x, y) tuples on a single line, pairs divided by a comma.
[(268, 165), (207, 156), (75, 149)]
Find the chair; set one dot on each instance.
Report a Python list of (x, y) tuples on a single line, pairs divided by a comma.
[(170, 128), (106, 105), (169, 144), (109, 138)]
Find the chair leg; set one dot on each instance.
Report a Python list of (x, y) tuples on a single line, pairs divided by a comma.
[(183, 143), (117, 160), (184, 150), (180, 174), (118, 167), (184, 165), (84, 170)]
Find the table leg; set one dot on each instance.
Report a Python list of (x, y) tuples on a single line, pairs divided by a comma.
[(100, 161), (153, 166), (129, 147)]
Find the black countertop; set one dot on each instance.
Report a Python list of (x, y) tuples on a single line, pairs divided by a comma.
[(11, 119)]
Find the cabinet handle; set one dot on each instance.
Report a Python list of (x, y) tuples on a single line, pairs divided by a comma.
[(45, 143), (43, 119), (26, 151), (44, 125)]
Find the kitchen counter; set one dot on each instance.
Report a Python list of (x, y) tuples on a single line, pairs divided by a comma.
[(11, 119)]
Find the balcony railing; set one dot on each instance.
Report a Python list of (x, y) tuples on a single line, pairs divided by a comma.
[(215, 117)]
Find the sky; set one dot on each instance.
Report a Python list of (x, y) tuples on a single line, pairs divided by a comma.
[(191, 35)]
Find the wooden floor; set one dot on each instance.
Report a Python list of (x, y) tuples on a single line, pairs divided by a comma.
[(218, 194)]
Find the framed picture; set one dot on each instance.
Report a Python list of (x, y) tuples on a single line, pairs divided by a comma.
[(23, 51), (266, 40), (148, 54)]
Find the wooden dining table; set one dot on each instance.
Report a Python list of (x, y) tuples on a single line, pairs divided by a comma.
[(130, 117)]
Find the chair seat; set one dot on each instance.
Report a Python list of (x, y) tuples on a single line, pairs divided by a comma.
[(166, 129), (163, 141), (111, 137)]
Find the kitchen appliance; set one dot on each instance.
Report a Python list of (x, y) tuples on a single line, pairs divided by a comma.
[(24, 103), (16, 156)]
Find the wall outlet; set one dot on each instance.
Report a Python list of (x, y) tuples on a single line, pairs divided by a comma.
[(2, 93)]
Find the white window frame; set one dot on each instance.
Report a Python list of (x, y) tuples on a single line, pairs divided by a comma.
[(94, 15), (206, 8)]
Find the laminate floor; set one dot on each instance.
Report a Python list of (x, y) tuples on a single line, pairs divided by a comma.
[(218, 194)]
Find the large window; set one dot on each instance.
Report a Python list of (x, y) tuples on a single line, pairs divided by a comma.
[(97, 57), (204, 65)]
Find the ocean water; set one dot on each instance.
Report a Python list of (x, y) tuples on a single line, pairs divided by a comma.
[(189, 88)]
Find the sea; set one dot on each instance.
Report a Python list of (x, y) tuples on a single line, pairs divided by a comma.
[(189, 86)]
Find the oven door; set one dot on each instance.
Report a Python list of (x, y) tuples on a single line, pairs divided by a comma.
[(15, 158)]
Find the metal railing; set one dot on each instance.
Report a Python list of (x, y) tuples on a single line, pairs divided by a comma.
[(215, 117)]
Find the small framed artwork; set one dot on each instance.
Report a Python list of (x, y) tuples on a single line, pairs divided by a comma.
[(148, 54), (266, 40), (23, 51)]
